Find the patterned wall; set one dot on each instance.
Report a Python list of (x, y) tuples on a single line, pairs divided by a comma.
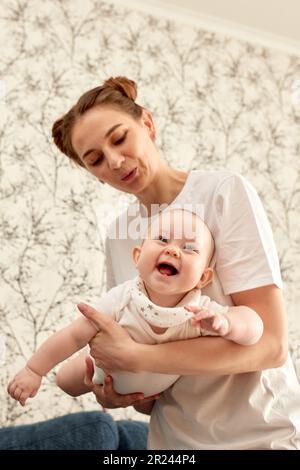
[(218, 102)]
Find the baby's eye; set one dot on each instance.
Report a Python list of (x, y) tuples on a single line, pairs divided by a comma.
[(191, 247), (163, 239)]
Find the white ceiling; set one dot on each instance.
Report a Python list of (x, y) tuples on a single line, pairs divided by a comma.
[(276, 17)]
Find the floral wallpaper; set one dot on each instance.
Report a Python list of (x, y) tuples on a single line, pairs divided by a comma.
[(218, 103)]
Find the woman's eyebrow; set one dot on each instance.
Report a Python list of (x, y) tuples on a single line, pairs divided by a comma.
[(112, 129), (106, 135)]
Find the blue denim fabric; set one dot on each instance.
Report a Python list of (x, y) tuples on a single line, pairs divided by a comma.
[(133, 435), (92, 430)]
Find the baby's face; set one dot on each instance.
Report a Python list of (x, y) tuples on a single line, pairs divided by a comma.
[(175, 253)]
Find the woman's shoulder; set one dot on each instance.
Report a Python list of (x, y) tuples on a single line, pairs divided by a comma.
[(215, 176), (219, 180)]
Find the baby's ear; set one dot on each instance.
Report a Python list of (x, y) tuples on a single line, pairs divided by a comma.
[(206, 278), (136, 252)]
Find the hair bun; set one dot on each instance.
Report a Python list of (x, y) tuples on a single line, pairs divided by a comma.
[(127, 87), (57, 133)]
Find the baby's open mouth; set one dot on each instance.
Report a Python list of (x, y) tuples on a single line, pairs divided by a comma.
[(167, 269)]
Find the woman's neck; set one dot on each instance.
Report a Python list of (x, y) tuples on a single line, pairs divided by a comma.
[(164, 188)]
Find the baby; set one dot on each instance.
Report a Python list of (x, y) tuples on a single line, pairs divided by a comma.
[(164, 303)]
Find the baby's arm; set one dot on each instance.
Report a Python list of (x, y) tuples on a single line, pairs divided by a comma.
[(55, 349), (240, 324)]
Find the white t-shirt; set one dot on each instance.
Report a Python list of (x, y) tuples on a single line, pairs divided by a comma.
[(129, 305), (256, 410)]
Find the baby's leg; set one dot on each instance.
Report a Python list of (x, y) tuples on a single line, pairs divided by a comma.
[(70, 377)]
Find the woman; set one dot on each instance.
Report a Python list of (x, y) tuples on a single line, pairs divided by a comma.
[(226, 399)]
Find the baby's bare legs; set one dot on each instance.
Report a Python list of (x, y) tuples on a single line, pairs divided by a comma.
[(70, 377)]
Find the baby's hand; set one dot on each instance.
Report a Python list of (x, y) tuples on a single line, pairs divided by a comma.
[(24, 385), (209, 320)]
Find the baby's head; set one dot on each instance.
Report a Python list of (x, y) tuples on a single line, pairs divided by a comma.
[(175, 254)]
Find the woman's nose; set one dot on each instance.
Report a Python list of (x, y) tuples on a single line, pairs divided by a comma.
[(114, 160), (173, 250)]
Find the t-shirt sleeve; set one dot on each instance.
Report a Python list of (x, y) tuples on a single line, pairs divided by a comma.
[(246, 256)]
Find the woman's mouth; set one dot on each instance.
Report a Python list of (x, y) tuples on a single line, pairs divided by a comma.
[(130, 175)]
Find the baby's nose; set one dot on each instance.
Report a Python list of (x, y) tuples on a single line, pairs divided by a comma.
[(173, 251)]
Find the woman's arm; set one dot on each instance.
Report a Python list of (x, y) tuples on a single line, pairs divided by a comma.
[(114, 350), (221, 356)]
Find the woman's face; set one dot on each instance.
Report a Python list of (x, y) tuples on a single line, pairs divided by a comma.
[(116, 148)]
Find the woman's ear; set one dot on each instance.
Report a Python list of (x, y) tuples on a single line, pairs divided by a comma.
[(206, 278), (149, 123), (136, 252)]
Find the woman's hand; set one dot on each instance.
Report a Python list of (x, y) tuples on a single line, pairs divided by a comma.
[(106, 395), (112, 348)]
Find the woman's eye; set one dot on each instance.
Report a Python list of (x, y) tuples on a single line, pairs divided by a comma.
[(120, 140), (97, 161)]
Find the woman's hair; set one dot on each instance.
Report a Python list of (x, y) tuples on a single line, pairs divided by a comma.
[(119, 92)]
